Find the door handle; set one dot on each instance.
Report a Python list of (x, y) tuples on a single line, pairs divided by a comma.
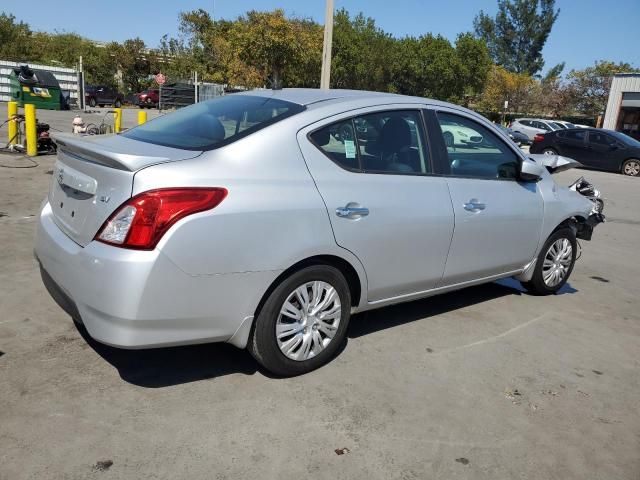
[(352, 212), (474, 205)]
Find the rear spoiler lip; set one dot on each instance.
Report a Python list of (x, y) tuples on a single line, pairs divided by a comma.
[(86, 148), (555, 163)]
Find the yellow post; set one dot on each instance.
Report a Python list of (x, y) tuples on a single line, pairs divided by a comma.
[(142, 117), (30, 129), (118, 119), (12, 109)]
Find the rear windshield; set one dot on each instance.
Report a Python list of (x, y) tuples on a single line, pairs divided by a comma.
[(214, 123)]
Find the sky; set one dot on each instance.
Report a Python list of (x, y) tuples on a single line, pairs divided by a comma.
[(586, 30)]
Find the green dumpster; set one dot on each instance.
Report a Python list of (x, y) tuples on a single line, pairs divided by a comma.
[(38, 87)]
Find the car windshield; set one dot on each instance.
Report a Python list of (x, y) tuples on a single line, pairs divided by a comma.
[(626, 139), (214, 123)]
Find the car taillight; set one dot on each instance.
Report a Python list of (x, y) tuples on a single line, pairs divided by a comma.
[(141, 222), (539, 137)]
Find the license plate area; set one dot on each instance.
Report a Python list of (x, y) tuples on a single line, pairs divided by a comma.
[(72, 197)]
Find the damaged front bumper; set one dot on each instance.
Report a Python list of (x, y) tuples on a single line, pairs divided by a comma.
[(585, 229)]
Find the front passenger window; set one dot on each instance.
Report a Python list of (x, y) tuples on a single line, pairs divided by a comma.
[(475, 151)]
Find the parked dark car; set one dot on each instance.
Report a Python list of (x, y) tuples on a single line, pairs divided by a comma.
[(594, 148), (519, 138), (101, 95), (149, 98)]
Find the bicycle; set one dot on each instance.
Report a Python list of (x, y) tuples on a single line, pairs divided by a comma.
[(103, 128)]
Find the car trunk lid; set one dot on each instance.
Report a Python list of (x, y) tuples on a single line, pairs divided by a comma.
[(93, 176)]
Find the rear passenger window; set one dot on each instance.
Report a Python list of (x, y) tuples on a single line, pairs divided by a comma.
[(475, 151), (385, 142), (338, 142), (574, 135)]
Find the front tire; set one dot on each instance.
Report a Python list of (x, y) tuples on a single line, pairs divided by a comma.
[(117, 104), (303, 321), (92, 102), (555, 263), (631, 167)]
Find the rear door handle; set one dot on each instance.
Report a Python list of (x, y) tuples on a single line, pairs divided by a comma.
[(352, 212), (474, 205)]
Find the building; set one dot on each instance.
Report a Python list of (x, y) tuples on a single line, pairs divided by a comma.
[(623, 107)]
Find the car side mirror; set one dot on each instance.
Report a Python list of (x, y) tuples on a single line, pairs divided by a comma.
[(531, 171)]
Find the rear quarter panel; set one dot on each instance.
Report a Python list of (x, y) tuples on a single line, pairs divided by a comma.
[(273, 215)]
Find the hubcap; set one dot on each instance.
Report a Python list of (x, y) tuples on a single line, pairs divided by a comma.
[(557, 262), (308, 320), (632, 168), (549, 152)]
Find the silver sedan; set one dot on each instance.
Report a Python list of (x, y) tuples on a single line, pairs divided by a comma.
[(265, 219)]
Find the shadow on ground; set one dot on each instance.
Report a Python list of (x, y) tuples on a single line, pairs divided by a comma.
[(162, 367), (395, 315)]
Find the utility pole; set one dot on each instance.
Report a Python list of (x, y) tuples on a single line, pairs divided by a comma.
[(326, 48)]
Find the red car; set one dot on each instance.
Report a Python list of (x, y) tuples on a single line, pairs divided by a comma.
[(149, 98)]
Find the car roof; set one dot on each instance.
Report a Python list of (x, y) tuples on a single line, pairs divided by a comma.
[(311, 96)]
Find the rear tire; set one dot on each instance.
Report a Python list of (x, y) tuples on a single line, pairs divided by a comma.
[(117, 104), (549, 151), (555, 263), (298, 341), (631, 167), (92, 102)]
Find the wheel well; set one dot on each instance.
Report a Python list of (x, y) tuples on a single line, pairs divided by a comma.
[(571, 223), (350, 275)]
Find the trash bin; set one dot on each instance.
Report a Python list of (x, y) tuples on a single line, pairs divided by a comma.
[(38, 87)]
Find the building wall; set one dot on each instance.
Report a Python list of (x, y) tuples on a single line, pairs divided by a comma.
[(67, 78), (623, 82)]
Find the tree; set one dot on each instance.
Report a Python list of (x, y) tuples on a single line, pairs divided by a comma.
[(133, 60), (362, 55), (474, 65), (428, 67), (519, 89), (591, 85), (14, 39), (273, 44), (518, 33), (554, 73)]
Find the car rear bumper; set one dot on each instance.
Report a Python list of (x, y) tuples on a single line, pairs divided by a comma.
[(139, 299)]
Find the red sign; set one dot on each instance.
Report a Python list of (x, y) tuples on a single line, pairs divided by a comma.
[(160, 79)]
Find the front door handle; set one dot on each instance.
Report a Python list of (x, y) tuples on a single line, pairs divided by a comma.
[(474, 205), (352, 212)]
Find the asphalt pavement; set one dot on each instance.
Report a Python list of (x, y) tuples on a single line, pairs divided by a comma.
[(484, 383)]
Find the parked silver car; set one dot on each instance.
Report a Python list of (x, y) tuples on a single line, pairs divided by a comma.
[(533, 126), (266, 219)]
